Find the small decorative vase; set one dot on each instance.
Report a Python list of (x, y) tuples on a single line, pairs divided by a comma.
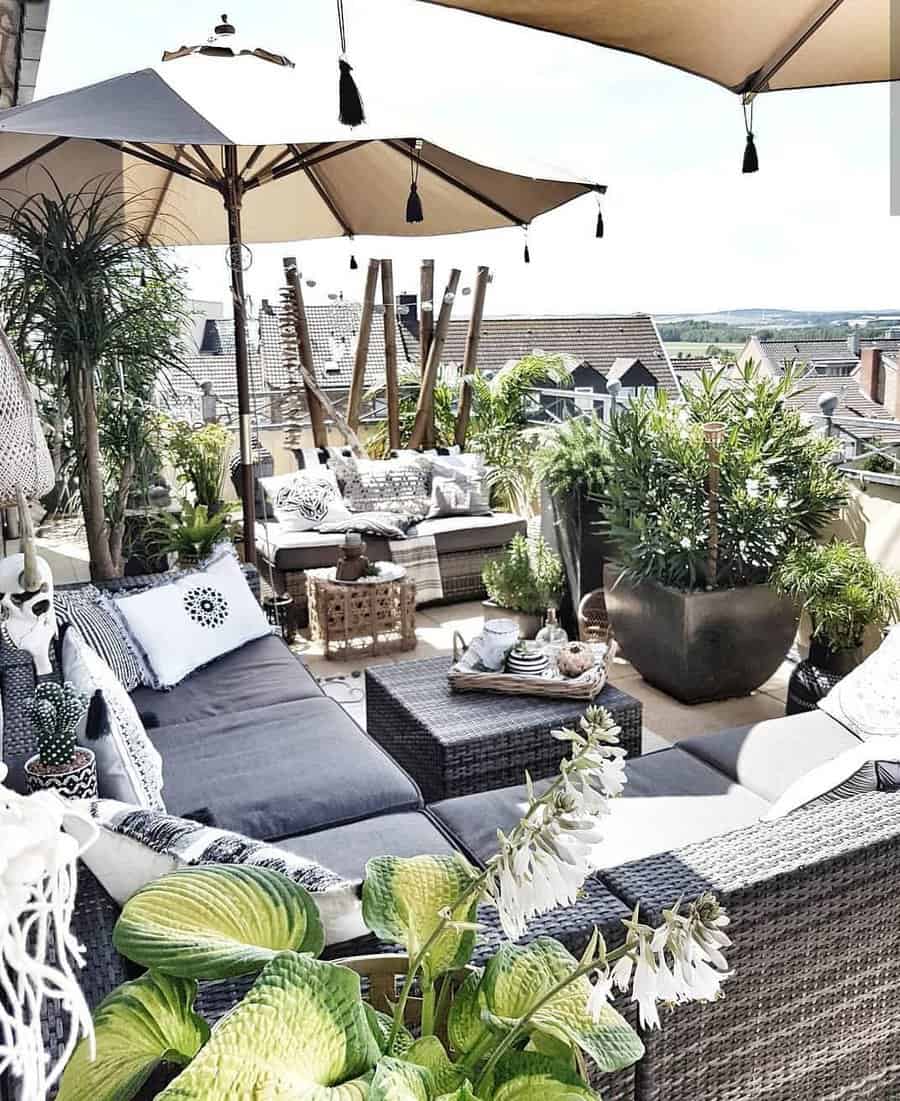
[(526, 660), (352, 563), (551, 634), (76, 780), (574, 659)]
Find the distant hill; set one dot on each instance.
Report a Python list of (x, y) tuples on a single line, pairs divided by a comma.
[(734, 326)]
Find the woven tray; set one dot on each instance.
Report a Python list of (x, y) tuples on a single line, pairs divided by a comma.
[(586, 687)]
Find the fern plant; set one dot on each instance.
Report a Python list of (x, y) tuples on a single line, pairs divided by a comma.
[(841, 589), (575, 458), (528, 577)]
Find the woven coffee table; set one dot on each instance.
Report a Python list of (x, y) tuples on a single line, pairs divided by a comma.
[(362, 618), (456, 743)]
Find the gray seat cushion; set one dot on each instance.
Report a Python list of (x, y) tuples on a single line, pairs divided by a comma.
[(670, 799), (279, 771), (345, 849), (768, 757), (308, 550), (453, 534), (261, 673)]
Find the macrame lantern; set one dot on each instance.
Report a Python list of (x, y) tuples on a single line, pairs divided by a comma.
[(26, 473)]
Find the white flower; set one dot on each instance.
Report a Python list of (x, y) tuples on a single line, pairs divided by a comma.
[(752, 487), (598, 999), (685, 543)]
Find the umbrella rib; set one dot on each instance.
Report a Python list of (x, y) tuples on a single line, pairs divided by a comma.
[(208, 161), (328, 201), (158, 161), (454, 182), (267, 168), (157, 206), (274, 169), (252, 159), (310, 157), (757, 81), (36, 155)]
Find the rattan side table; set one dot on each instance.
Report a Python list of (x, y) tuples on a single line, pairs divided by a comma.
[(367, 618)]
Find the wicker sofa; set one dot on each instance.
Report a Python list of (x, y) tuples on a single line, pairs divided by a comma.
[(811, 1012)]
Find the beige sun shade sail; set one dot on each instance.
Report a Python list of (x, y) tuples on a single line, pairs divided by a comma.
[(756, 46), (296, 185)]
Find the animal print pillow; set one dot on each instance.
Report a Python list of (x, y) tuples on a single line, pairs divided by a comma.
[(304, 500)]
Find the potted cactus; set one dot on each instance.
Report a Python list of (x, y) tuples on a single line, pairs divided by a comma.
[(60, 763)]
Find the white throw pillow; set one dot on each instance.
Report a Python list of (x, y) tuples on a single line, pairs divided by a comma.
[(183, 624), (303, 500), (867, 700), (136, 846), (128, 765)]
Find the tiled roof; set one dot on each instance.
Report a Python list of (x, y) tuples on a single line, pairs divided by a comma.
[(851, 400), (811, 352), (598, 341)]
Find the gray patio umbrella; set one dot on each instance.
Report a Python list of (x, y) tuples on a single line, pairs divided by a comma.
[(207, 137), (764, 46)]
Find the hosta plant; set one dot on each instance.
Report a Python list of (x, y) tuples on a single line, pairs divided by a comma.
[(522, 1027)]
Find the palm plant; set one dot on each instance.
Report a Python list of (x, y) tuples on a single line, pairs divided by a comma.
[(574, 458), (377, 443), (96, 311)]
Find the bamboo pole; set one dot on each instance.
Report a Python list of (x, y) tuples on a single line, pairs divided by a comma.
[(426, 317), (304, 350), (470, 360), (358, 381), (714, 433), (392, 388), (424, 422), (315, 395)]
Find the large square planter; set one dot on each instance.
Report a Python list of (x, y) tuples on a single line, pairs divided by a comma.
[(702, 645)]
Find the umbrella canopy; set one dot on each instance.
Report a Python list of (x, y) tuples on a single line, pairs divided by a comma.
[(765, 46), (212, 152), (166, 135)]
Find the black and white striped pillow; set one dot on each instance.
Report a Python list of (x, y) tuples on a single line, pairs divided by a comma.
[(80, 608), (136, 846)]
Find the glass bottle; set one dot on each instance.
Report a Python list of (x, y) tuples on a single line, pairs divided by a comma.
[(551, 634)]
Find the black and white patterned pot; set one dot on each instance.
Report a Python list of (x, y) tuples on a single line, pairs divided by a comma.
[(528, 663), (75, 781)]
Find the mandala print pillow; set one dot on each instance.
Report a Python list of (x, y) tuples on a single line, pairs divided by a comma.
[(190, 621), (303, 501)]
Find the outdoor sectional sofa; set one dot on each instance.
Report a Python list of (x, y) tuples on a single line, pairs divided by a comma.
[(811, 1012)]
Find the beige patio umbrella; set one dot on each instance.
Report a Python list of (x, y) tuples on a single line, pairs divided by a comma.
[(763, 46), (214, 149)]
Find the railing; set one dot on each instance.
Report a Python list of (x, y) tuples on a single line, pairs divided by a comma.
[(870, 445)]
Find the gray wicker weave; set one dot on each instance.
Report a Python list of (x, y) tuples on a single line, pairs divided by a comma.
[(456, 743)]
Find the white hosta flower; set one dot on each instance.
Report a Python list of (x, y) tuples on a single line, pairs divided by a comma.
[(601, 990), (37, 893)]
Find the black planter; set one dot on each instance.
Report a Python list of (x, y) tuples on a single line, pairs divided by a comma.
[(814, 678), (574, 527), (703, 645)]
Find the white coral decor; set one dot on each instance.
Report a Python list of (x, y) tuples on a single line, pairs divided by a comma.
[(37, 893)]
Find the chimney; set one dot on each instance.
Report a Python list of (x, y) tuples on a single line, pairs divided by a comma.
[(871, 375), (410, 319), (853, 343)]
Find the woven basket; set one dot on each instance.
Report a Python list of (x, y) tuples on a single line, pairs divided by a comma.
[(515, 684), (382, 979)]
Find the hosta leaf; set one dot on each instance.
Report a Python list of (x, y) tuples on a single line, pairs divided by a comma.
[(465, 1027), (216, 921), (518, 977), (300, 1034), (397, 1080), (402, 901), (429, 1052), (141, 1024), (526, 1076), (381, 1025), (464, 1093)]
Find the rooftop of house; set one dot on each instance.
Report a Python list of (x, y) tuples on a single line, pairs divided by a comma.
[(827, 353), (852, 402)]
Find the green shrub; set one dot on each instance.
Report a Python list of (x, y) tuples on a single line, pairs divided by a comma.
[(575, 458), (778, 482), (527, 578), (200, 457), (841, 589)]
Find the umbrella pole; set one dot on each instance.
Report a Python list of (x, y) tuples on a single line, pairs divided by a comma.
[(232, 189)]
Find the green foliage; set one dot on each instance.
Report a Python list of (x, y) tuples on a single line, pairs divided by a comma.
[(377, 444), (778, 482), (527, 577), (885, 461), (192, 533), (574, 459), (200, 457), (841, 589), (97, 316), (55, 711)]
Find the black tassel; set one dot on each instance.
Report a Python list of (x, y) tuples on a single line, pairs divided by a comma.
[(353, 263), (351, 107), (414, 205), (97, 724), (527, 254), (751, 161), (599, 222)]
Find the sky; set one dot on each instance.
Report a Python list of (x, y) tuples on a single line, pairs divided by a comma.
[(685, 230)]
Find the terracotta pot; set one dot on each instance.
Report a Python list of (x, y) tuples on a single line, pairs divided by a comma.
[(700, 646), (529, 624), (77, 780)]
